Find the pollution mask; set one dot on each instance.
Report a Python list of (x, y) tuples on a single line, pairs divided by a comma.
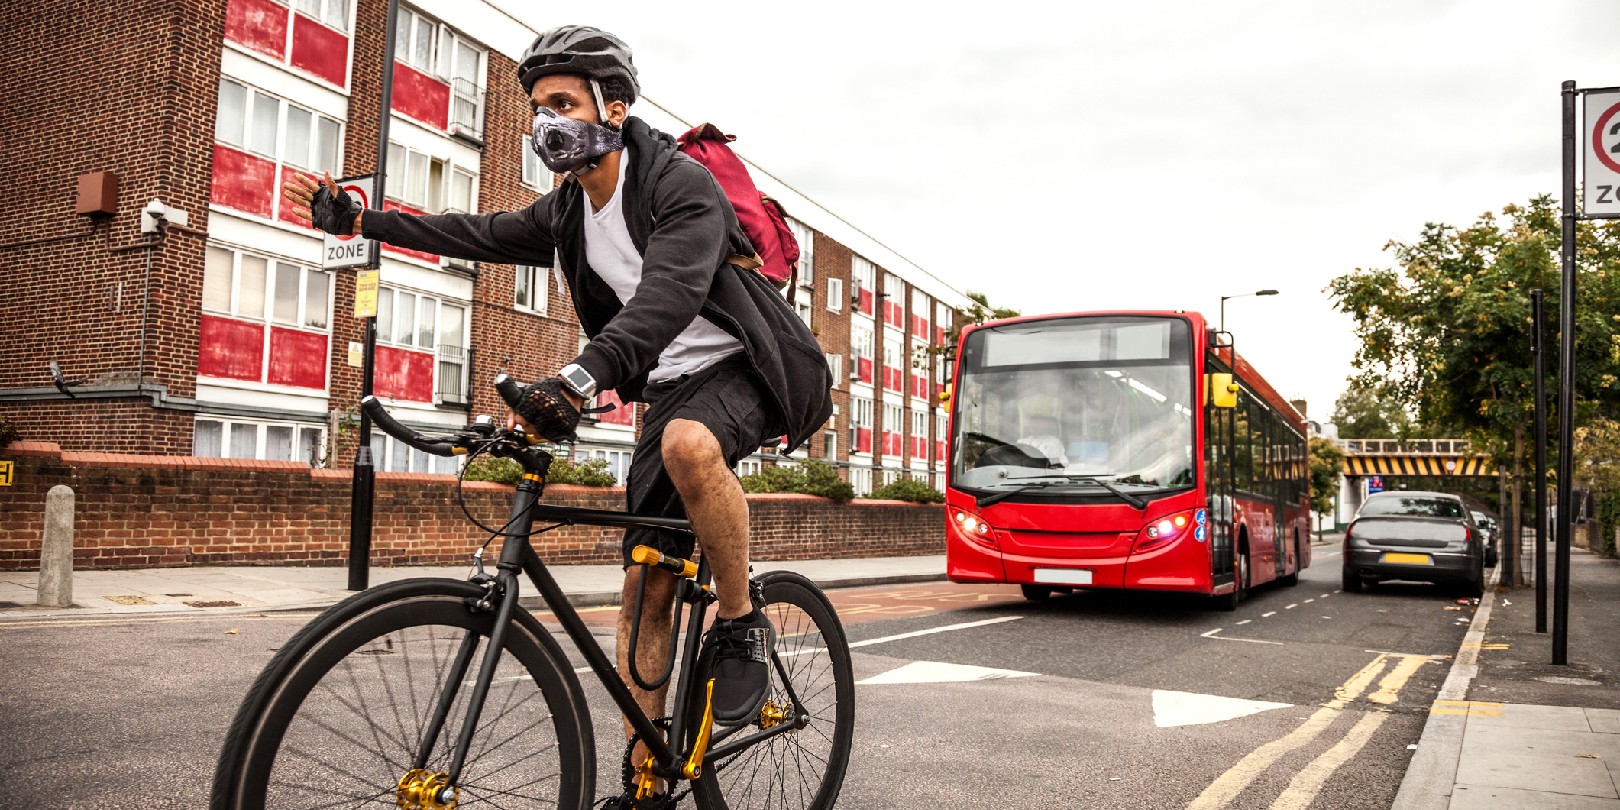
[(568, 144)]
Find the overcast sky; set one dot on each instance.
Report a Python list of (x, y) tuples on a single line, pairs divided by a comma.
[(1161, 154)]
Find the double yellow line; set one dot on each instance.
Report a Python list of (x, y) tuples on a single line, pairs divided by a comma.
[(1306, 784)]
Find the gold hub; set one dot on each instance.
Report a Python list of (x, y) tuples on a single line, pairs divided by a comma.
[(771, 715), (419, 790)]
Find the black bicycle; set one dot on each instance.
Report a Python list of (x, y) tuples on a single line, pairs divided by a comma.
[(431, 694)]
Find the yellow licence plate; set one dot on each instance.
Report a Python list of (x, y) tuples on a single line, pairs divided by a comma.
[(1408, 559)]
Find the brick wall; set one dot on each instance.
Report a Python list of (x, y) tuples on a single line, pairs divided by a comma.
[(149, 511)]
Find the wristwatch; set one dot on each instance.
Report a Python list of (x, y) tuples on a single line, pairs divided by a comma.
[(578, 380)]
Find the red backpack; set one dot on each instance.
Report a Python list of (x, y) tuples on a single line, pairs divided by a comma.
[(762, 218)]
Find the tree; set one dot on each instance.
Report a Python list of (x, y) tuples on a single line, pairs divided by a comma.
[(1446, 332), (1326, 463), (1367, 412), (978, 311)]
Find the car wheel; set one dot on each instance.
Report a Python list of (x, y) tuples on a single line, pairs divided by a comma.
[(1036, 593), (1352, 581), (1475, 587)]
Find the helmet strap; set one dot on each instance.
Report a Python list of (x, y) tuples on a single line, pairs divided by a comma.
[(601, 108)]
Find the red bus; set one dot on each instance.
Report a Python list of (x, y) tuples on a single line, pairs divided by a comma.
[(1132, 450)]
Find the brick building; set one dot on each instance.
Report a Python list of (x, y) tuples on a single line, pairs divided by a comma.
[(223, 337)]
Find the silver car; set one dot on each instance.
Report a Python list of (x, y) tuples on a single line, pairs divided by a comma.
[(1424, 536)]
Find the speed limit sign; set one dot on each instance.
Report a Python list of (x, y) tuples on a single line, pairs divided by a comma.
[(1601, 144)]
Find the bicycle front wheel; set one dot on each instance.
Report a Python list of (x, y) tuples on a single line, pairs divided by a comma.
[(339, 716), (804, 768)]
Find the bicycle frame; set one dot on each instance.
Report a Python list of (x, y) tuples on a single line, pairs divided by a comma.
[(518, 555)]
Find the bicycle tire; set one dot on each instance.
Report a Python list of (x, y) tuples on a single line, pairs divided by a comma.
[(329, 685), (811, 645)]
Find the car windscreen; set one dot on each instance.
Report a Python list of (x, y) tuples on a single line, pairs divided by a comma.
[(1414, 506)]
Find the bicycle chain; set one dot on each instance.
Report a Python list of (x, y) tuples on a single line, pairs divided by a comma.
[(627, 774)]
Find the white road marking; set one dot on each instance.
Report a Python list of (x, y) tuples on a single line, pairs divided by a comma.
[(1213, 634), (1191, 709), (1291, 607), (1246, 621), (940, 672), (930, 631), (1268, 615), (1308, 601), (1326, 595)]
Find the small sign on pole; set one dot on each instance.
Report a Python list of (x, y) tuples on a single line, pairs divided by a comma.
[(365, 293), (1601, 145), (338, 252)]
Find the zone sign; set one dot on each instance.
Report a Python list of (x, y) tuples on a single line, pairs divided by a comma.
[(1601, 144), (350, 251)]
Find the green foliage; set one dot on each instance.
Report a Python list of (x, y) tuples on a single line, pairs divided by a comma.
[(908, 489), (1326, 462), (978, 311), (8, 432), (588, 473), (808, 477), (1368, 412), (1446, 332)]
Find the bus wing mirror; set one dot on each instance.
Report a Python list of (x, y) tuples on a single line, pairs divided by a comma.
[(945, 398), (1222, 391)]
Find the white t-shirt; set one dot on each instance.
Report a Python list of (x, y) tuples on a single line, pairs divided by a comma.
[(614, 257)]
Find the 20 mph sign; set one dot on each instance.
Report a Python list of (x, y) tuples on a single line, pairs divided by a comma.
[(350, 251), (1601, 143)]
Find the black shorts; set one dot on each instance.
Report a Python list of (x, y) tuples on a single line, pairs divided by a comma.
[(730, 400)]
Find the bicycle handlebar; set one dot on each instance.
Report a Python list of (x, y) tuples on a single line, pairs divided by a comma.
[(384, 421), (510, 393)]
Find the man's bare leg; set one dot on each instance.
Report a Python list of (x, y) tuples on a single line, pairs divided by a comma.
[(715, 505)]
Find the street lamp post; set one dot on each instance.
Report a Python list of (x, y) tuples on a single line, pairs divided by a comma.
[(1226, 298)]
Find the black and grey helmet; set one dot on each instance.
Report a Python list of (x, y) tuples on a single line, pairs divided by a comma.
[(580, 50)]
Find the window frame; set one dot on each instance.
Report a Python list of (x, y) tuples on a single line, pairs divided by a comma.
[(835, 295)]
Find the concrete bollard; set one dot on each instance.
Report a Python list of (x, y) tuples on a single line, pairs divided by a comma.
[(56, 551)]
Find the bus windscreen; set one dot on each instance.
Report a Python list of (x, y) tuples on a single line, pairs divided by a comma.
[(1074, 402)]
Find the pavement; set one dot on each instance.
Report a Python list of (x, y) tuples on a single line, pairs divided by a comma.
[(224, 590), (1508, 729)]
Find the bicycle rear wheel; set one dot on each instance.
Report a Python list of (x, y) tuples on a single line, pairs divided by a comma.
[(801, 769), (338, 716)]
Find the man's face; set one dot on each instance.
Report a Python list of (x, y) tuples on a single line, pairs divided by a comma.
[(570, 96)]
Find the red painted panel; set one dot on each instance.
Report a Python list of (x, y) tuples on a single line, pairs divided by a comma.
[(919, 327), (864, 366), (231, 349), (284, 208), (297, 358), (320, 50), (243, 181), (919, 387), (622, 415), (891, 443), (390, 205), (919, 447), (421, 96), (939, 451), (939, 335), (403, 374), (863, 440), (258, 24), (866, 301), (891, 378)]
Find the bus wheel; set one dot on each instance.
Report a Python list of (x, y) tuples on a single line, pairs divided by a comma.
[(1036, 593), (1230, 601)]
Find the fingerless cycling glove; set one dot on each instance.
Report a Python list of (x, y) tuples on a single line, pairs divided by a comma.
[(333, 213)]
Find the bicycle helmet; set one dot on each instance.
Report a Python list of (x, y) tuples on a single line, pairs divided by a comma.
[(580, 50)]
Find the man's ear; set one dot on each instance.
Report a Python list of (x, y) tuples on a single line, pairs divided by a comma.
[(617, 111)]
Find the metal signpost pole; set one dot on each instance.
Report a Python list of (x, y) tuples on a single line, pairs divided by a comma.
[(365, 471), (1566, 391), (1538, 349)]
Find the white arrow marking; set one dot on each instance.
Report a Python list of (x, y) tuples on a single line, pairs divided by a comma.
[(938, 672), (1191, 709)]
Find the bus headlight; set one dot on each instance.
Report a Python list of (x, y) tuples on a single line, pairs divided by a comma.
[(1165, 529), (972, 527)]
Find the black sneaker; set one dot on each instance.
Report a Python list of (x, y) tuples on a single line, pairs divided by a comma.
[(741, 649)]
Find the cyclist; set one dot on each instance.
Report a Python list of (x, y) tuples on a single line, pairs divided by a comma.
[(661, 276)]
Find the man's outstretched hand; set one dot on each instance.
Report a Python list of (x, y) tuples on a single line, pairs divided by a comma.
[(330, 211)]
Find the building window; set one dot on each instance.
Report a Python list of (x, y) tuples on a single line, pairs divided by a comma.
[(920, 308), (334, 13), (263, 320), (466, 89), (894, 301), (618, 461), (253, 120), (863, 283), (890, 476), (944, 317), (860, 478), (430, 184), (804, 306), (893, 427), (894, 373), (416, 41), (807, 252), (835, 295), (862, 350), (217, 437), (860, 425), (829, 444), (535, 173), (835, 364), (919, 435), (533, 290), (749, 466), (424, 354)]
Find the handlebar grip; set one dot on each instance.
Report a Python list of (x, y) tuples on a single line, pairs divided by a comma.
[(389, 425), (511, 393)]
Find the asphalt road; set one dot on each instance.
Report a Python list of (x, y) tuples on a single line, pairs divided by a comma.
[(1304, 697)]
